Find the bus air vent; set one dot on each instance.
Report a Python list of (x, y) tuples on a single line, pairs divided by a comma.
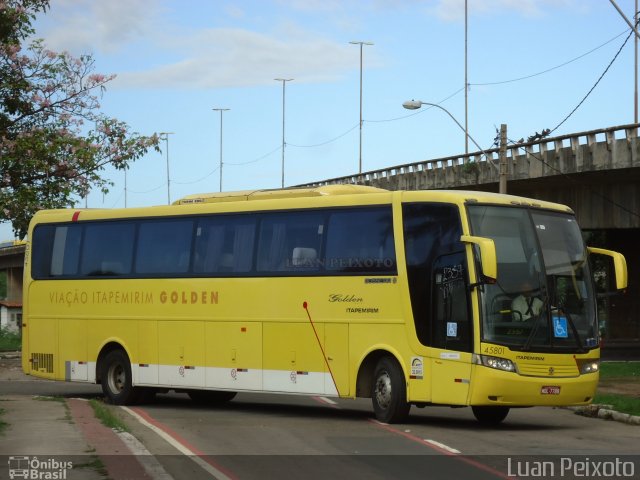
[(42, 362)]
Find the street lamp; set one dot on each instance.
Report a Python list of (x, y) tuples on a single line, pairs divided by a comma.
[(416, 104), (360, 156), (220, 110), (166, 139), (284, 81)]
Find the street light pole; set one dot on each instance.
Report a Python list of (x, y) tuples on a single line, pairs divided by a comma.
[(360, 155), (284, 81), (220, 110), (466, 81), (416, 104), (166, 139)]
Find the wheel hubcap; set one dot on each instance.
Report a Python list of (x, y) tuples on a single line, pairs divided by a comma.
[(116, 378), (383, 390)]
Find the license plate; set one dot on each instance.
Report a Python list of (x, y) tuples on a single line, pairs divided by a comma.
[(550, 390)]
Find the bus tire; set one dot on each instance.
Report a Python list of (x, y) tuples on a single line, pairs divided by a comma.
[(211, 397), (116, 379), (489, 415), (389, 392)]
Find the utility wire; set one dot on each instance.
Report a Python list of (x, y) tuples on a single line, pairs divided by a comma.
[(257, 159), (575, 181), (418, 112), (147, 191), (595, 84), (199, 179), (501, 82), (328, 141)]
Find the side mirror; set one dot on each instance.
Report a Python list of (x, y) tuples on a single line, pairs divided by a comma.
[(488, 257), (619, 265)]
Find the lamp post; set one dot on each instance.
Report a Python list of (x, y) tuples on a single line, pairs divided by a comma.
[(165, 136), (220, 110), (466, 80), (416, 104), (284, 81), (360, 155)]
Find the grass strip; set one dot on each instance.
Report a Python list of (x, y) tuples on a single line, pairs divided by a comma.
[(620, 370), (620, 403), (106, 416)]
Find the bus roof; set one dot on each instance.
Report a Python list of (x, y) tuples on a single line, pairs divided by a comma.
[(271, 194), (328, 194)]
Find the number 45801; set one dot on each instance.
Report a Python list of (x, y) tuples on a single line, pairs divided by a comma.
[(493, 350)]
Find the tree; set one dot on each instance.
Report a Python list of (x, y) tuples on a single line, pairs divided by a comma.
[(54, 141)]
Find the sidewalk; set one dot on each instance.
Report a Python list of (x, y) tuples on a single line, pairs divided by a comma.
[(53, 431)]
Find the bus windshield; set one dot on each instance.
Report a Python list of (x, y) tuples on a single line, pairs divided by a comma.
[(543, 299)]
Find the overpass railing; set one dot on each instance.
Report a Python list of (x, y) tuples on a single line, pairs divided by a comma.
[(538, 147)]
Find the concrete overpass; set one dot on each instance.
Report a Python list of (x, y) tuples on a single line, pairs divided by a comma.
[(596, 173)]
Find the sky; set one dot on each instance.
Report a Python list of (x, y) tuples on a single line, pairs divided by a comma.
[(529, 64)]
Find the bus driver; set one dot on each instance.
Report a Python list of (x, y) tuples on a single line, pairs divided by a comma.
[(525, 305)]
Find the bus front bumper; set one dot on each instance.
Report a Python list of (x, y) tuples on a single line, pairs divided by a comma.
[(495, 387)]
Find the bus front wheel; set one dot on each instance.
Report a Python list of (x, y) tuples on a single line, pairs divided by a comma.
[(389, 392), (490, 416), (116, 379)]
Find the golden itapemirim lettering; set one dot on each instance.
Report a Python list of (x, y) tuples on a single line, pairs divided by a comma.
[(117, 297), (190, 297)]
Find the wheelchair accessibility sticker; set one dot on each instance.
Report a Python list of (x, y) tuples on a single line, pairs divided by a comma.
[(560, 327)]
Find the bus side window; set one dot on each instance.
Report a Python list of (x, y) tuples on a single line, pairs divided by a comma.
[(59, 253), (224, 245), (283, 234), (164, 247), (361, 240), (107, 244)]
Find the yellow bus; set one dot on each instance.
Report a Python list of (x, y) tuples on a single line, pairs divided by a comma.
[(407, 297)]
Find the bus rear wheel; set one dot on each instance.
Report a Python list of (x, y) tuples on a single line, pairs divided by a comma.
[(116, 379), (211, 397), (389, 392), (490, 416)]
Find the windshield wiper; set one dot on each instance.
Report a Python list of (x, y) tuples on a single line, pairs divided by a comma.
[(576, 335), (536, 325)]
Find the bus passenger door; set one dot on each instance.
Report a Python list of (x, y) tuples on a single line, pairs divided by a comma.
[(451, 331)]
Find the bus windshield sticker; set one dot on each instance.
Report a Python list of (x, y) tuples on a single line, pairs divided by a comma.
[(452, 329), (560, 327)]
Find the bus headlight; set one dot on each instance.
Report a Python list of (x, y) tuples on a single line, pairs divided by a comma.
[(588, 366), (495, 362)]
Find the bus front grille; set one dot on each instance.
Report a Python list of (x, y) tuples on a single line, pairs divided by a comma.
[(42, 362), (549, 371)]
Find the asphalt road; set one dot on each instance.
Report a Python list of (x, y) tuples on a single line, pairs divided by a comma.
[(284, 436)]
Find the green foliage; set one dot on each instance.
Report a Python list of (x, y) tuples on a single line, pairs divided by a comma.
[(49, 156), (619, 403), (9, 341), (613, 370), (612, 373), (106, 416)]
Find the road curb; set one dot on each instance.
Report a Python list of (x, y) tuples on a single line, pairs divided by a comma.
[(605, 412), (118, 459), (10, 355)]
